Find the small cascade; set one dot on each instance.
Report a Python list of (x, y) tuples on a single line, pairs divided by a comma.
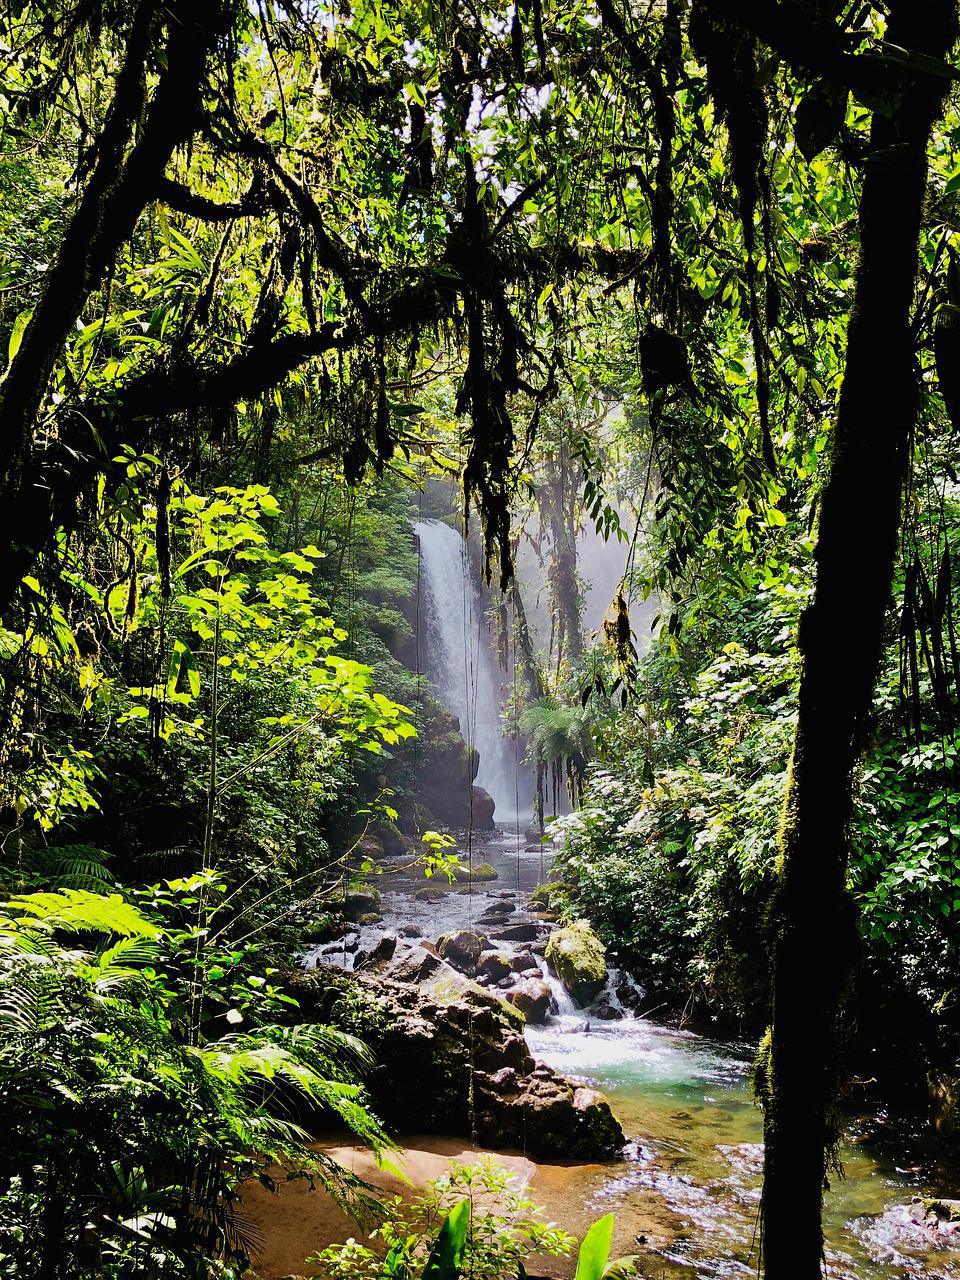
[(620, 982), (566, 1006), (460, 660)]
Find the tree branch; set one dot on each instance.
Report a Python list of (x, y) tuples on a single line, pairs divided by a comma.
[(180, 198)]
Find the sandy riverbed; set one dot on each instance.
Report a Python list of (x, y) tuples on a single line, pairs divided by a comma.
[(297, 1222)]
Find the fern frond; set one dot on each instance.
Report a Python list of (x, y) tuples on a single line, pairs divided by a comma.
[(79, 910)]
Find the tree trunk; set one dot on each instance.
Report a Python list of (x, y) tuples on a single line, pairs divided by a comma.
[(841, 641), (560, 501)]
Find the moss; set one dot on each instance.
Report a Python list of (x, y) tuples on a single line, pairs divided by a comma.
[(447, 986), (324, 929), (579, 959), (540, 898), (479, 871)]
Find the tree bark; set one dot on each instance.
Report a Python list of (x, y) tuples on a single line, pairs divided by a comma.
[(813, 931)]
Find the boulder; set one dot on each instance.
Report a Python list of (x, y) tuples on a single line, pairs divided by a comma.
[(442, 1042), (462, 949), (498, 913), (493, 965), (479, 871), (940, 1210), (523, 960), (392, 839), (540, 898), (406, 963), (532, 998), (608, 1012), (361, 902), (524, 932), (325, 929), (579, 960), (483, 809)]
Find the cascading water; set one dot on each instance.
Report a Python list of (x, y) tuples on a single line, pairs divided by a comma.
[(460, 661)]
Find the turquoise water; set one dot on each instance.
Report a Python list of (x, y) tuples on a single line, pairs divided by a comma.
[(685, 1101)]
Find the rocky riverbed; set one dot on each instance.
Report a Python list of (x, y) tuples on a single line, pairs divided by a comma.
[(464, 993)]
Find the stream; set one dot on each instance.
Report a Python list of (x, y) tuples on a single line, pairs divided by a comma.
[(689, 1187)]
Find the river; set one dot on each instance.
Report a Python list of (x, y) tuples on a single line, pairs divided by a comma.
[(690, 1183)]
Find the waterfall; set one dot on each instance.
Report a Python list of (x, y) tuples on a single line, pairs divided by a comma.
[(459, 657)]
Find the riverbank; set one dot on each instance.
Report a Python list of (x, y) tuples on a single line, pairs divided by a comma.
[(296, 1222)]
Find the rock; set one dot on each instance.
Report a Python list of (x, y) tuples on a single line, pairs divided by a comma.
[(523, 960), (479, 871), (411, 931), (324, 929), (493, 965), (577, 956), (441, 1042), (532, 998), (380, 954), (462, 948), (525, 932), (428, 895), (504, 1079), (498, 913), (608, 1013), (393, 842), (410, 964), (369, 917), (940, 1209), (370, 847), (630, 993), (483, 809), (540, 897), (446, 770), (347, 944), (361, 902)]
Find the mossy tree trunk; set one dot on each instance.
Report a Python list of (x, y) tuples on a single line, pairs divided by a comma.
[(841, 642), (559, 500)]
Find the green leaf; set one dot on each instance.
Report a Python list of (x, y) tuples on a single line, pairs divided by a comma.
[(446, 1256), (16, 333), (595, 1250)]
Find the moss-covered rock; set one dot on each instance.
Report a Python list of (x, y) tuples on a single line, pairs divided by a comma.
[(451, 1059), (479, 871), (392, 840), (362, 902), (326, 928), (540, 898), (579, 960)]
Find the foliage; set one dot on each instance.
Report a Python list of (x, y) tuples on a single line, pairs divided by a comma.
[(669, 852), (131, 1130), (504, 1228)]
